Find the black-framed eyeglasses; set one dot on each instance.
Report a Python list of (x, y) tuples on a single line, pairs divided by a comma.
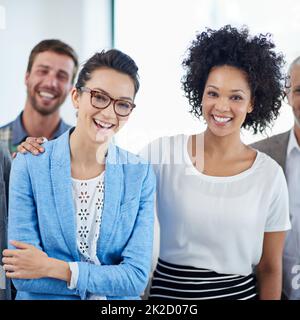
[(101, 100)]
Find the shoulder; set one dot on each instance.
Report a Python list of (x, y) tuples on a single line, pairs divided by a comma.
[(271, 141), (6, 126), (5, 161), (4, 153), (269, 168), (5, 132), (57, 149), (35, 162), (275, 147)]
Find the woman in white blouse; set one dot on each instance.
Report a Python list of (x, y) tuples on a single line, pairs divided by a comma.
[(222, 206)]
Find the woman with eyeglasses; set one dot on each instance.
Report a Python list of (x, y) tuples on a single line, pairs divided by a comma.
[(222, 206), (81, 214)]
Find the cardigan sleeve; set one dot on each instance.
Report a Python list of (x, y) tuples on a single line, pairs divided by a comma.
[(23, 226), (130, 276)]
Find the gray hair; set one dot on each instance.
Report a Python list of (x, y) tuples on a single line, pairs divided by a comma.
[(296, 62)]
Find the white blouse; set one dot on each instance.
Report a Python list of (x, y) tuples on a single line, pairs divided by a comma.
[(216, 223), (88, 197)]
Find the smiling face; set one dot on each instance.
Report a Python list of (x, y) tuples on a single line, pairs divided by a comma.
[(100, 125), (226, 100), (294, 93), (49, 81)]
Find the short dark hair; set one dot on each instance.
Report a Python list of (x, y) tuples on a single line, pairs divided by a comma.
[(254, 55), (56, 46), (114, 59)]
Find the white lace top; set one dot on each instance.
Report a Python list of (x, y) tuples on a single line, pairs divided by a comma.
[(88, 196)]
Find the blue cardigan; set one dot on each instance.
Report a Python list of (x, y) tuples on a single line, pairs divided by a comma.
[(41, 212)]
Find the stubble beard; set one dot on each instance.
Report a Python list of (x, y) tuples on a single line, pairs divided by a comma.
[(43, 111)]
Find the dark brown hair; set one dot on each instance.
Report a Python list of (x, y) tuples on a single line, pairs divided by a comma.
[(56, 46), (255, 55), (114, 59)]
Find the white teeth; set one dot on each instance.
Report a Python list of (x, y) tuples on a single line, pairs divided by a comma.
[(221, 119), (103, 124), (46, 95)]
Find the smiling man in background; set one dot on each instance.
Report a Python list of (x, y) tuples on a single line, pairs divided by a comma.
[(51, 70)]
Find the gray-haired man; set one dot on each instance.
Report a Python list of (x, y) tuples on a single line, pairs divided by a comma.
[(285, 149)]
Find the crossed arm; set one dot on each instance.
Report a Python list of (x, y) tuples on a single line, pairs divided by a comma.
[(29, 262)]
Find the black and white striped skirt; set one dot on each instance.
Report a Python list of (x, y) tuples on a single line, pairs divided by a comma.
[(171, 281)]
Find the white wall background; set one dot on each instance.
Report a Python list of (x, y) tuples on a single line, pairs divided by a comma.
[(83, 24), (157, 34)]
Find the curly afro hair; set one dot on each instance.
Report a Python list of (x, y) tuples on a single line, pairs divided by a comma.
[(253, 55)]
